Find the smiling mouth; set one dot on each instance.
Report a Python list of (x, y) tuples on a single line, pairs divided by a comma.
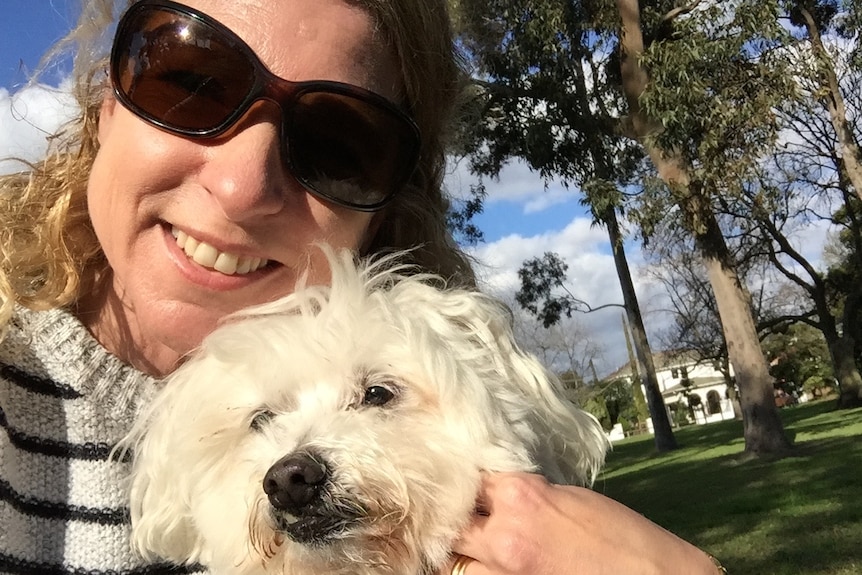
[(207, 256)]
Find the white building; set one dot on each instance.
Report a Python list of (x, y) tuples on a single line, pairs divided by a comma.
[(698, 387)]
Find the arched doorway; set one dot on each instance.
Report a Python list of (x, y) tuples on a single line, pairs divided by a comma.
[(713, 402)]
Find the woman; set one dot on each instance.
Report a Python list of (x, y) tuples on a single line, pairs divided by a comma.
[(226, 139)]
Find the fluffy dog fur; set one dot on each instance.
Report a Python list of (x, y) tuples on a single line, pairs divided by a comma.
[(399, 394)]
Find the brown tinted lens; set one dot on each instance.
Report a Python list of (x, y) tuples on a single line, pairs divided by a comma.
[(348, 149), (180, 72)]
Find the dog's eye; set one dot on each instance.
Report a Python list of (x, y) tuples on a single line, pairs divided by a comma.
[(378, 395), (260, 419)]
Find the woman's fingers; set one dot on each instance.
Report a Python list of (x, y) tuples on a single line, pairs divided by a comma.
[(503, 537)]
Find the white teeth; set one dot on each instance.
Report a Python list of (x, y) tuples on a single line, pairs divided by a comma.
[(243, 266), (191, 246), (226, 263), (207, 256)]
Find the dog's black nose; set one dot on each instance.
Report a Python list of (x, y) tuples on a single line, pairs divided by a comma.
[(294, 481)]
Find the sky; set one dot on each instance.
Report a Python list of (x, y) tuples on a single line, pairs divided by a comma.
[(522, 219)]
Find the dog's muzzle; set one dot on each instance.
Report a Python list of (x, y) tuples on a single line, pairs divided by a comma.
[(302, 506)]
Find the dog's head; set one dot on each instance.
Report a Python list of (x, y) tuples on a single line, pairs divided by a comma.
[(346, 427)]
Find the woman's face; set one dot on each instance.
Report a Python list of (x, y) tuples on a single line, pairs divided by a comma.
[(232, 193)]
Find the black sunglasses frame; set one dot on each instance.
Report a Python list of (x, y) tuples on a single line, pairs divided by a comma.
[(266, 86)]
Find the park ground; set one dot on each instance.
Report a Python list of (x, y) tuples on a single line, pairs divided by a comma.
[(793, 516)]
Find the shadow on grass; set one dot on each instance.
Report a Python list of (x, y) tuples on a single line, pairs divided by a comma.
[(795, 515)]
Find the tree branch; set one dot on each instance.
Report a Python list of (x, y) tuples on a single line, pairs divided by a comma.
[(679, 11)]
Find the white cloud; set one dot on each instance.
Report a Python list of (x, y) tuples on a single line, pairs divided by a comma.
[(579, 243), (592, 278), (28, 117), (516, 183)]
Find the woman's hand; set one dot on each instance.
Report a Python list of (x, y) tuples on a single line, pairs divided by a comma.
[(528, 526)]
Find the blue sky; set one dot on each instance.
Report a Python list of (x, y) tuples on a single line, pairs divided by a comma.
[(27, 29), (522, 218)]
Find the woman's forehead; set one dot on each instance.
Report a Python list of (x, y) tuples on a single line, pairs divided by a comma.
[(312, 39)]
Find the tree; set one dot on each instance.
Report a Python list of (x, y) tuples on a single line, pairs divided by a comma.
[(844, 278), (610, 402), (696, 326), (538, 99), (814, 17), (703, 139), (619, 399), (830, 79), (567, 348), (563, 86), (799, 358), (796, 267), (809, 178), (459, 218)]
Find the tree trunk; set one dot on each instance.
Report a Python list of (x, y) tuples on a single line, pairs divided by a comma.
[(637, 390), (841, 347), (763, 430), (844, 357), (761, 423), (663, 434), (846, 372), (732, 394), (834, 103)]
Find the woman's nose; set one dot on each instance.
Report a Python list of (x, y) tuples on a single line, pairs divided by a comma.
[(245, 172)]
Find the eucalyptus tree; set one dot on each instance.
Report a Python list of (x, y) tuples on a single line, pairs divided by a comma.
[(565, 88), (702, 102), (696, 325), (811, 172), (831, 78), (812, 20), (542, 95), (845, 276), (770, 221), (545, 293), (809, 180)]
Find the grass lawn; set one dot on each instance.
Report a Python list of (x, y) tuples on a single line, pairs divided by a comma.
[(798, 515)]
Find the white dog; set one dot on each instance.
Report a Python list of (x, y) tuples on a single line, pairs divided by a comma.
[(344, 429)]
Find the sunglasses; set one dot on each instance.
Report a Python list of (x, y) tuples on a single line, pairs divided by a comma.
[(186, 73)]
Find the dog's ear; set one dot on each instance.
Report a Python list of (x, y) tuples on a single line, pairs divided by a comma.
[(569, 443), (162, 525)]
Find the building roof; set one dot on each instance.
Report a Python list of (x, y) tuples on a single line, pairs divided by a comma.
[(694, 383), (662, 360)]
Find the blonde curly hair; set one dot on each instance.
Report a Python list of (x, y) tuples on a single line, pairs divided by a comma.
[(49, 254)]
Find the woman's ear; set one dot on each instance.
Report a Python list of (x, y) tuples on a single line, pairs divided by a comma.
[(106, 114), (572, 444)]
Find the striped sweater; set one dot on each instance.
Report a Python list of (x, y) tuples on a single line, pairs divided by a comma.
[(64, 402)]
